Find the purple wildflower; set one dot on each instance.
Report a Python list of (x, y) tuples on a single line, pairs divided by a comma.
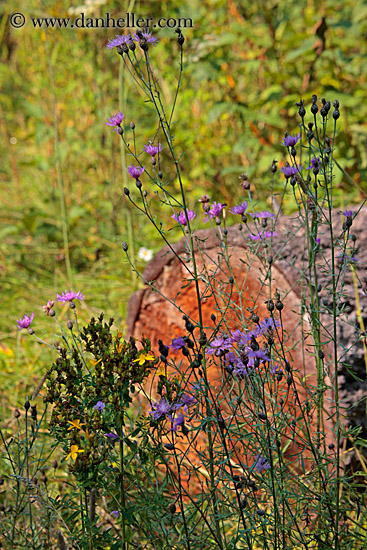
[(290, 141), (263, 235), (161, 408), (69, 296), (99, 406), (186, 400), (115, 121), (153, 150), (135, 171), (218, 345), (246, 338), (259, 354), (24, 322), (176, 422), (236, 336), (48, 307), (177, 344), (315, 164), (119, 41), (269, 324), (240, 208), (346, 259), (347, 213), (112, 436), (318, 241), (215, 211), (182, 218), (146, 36), (263, 215), (115, 513), (239, 368), (261, 464), (289, 171)]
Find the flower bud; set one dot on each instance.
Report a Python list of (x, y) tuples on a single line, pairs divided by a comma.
[(124, 246)]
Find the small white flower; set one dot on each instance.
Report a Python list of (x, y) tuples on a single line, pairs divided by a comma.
[(145, 254)]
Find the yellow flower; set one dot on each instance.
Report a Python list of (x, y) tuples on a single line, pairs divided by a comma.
[(119, 347), (93, 362), (143, 357), (74, 450), (162, 370), (75, 424)]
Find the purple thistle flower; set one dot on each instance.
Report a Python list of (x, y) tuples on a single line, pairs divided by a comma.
[(264, 214), (263, 235), (48, 307), (112, 436), (181, 218), (135, 171), (176, 422), (218, 345), (186, 400), (261, 464), (240, 208), (236, 336), (161, 408), (348, 213), (259, 354), (177, 344), (255, 333), (115, 121), (115, 513), (99, 406), (346, 259), (146, 36), (25, 322), (69, 296), (269, 324), (239, 368), (290, 171), (153, 150), (215, 211), (315, 164), (290, 141), (119, 41)]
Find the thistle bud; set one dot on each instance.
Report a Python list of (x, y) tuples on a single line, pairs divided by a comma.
[(92, 505), (61, 540)]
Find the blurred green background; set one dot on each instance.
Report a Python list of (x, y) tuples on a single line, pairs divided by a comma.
[(246, 63)]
